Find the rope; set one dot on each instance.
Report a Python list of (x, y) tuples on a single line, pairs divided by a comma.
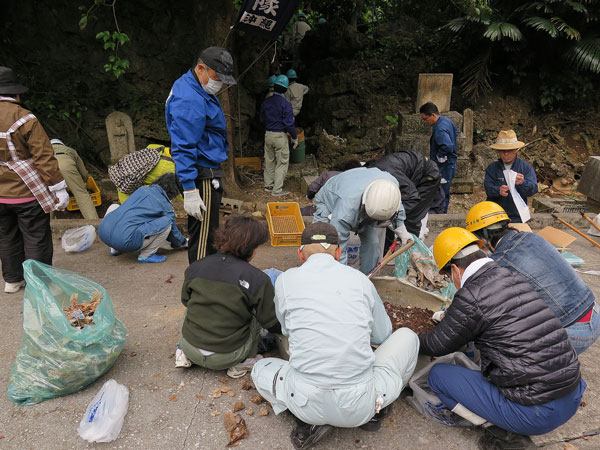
[(227, 37), (262, 52)]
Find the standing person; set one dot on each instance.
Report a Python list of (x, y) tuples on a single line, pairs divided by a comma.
[(277, 116), (332, 315), (442, 145), (530, 381), (31, 185), (546, 270), (76, 175), (197, 127), (296, 92), (496, 186), (299, 29), (271, 85)]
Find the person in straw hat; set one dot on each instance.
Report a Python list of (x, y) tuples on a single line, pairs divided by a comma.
[(495, 184)]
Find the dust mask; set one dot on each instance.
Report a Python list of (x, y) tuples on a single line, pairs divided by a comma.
[(212, 86)]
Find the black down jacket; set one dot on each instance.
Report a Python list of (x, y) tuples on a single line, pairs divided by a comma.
[(524, 349)]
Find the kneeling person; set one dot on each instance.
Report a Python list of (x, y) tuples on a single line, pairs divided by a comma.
[(530, 382), (332, 315)]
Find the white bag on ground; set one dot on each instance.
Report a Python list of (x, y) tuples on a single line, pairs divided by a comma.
[(593, 231), (105, 414), (78, 239)]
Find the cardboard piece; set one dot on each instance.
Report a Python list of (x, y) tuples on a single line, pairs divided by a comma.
[(556, 237), (520, 227)]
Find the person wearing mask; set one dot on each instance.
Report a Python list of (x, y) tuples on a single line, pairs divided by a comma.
[(278, 118), (442, 145), (197, 127), (295, 92), (530, 380), (496, 186), (76, 175), (546, 270), (31, 185)]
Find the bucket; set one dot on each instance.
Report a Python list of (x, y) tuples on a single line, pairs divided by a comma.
[(298, 154)]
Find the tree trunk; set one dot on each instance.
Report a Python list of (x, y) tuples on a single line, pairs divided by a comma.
[(358, 7)]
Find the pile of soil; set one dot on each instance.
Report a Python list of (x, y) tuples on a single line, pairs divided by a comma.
[(417, 319)]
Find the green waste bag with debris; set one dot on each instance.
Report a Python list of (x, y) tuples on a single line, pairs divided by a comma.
[(56, 357), (417, 266)]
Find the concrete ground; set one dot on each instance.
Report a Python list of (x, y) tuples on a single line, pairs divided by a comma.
[(173, 408)]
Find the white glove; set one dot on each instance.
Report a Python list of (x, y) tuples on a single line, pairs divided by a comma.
[(442, 159), (193, 204), (443, 181), (60, 190), (438, 316), (403, 234), (295, 143)]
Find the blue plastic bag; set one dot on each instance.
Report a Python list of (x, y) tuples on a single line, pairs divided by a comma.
[(56, 358)]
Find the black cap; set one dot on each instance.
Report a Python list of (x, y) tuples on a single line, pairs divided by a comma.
[(319, 233), (219, 60), (8, 82)]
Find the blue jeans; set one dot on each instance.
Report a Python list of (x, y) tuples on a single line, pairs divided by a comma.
[(584, 334), (455, 384), (447, 171)]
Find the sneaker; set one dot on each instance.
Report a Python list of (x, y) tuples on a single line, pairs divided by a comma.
[(180, 359), (305, 435), (154, 258), (11, 288), (241, 369), (375, 423), (114, 252), (279, 194), (496, 438), (268, 188)]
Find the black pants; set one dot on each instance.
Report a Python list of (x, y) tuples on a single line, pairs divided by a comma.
[(202, 231), (428, 189), (24, 234)]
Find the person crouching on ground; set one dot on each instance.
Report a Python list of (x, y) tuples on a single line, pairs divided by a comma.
[(145, 222), (332, 315), (228, 302), (530, 382)]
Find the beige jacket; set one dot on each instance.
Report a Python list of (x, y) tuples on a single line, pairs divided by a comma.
[(295, 94)]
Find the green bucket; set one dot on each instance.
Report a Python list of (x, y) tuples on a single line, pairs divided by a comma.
[(298, 154)]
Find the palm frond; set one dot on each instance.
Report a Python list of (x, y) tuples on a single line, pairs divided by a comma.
[(565, 28), (456, 25), (577, 6), (585, 54), (537, 6), (498, 30), (476, 76), (541, 24)]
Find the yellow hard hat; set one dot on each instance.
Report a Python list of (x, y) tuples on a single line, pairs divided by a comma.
[(484, 214), (449, 243)]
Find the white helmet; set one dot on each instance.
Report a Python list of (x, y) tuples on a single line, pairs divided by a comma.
[(381, 199)]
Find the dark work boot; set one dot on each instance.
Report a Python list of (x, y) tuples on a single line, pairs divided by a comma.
[(305, 435), (375, 423), (496, 438)]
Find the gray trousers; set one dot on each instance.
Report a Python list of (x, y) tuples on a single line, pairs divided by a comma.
[(155, 241), (277, 158)]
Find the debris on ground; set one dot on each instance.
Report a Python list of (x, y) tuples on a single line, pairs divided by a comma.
[(225, 389), (263, 411), (569, 447), (200, 397), (423, 273), (236, 427), (81, 314), (247, 384), (249, 411), (231, 393), (215, 413), (223, 380), (216, 393), (257, 400), (173, 398), (238, 406), (170, 279), (417, 319)]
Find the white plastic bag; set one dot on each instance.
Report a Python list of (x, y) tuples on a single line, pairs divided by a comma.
[(593, 231), (105, 414), (78, 239)]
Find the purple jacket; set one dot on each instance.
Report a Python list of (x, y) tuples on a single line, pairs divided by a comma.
[(277, 115)]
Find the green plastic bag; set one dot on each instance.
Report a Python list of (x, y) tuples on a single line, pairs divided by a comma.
[(402, 263), (56, 358)]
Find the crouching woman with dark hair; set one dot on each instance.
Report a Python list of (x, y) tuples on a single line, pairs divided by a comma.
[(228, 302)]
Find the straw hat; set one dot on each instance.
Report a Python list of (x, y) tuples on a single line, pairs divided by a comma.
[(507, 140)]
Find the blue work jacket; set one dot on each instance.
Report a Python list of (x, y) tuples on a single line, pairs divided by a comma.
[(443, 140), (548, 272), (197, 127), (277, 115), (146, 212), (494, 178)]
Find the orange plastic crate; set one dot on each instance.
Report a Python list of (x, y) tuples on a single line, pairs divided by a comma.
[(285, 224), (95, 196)]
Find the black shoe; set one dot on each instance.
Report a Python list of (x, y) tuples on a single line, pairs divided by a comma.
[(266, 343), (496, 438), (305, 435), (375, 423)]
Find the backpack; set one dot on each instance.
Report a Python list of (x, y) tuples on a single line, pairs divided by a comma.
[(129, 172)]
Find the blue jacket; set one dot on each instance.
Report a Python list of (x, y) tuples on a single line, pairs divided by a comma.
[(277, 115), (146, 212), (443, 140), (548, 273), (196, 124), (494, 178)]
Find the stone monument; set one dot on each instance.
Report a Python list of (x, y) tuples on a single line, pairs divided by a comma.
[(119, 129)]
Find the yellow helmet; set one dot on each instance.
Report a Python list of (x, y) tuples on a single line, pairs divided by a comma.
[(449, 243), (484, 214)]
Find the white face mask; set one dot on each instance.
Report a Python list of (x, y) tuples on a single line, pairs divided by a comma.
[(212, 86)]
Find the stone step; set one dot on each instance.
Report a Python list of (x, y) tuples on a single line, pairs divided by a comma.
[(461, 185)]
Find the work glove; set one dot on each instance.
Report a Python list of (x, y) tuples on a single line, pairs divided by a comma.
[(402, 233), (295, 143), (442, 159), (60, 190), (193, 204), (438, 316)]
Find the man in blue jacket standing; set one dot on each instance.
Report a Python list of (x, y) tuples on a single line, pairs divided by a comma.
[(496, 186), (197, 127), (277, 115), (442, 145)]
